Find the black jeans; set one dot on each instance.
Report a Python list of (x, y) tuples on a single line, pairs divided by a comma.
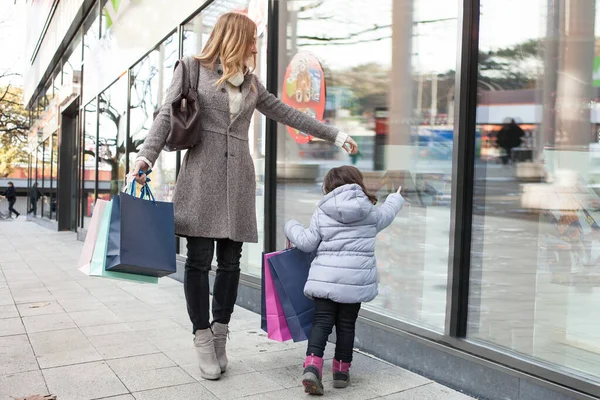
[(327, 314), (200, 252), (11, 209), (33, 208)]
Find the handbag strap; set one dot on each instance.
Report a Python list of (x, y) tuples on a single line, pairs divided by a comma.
[(185, 80), (195, 73)]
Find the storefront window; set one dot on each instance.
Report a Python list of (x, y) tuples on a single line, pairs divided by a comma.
[(151, 79), (91, 29), (112, 122), (382, 74), (71, 73), (47, 181), (54, 177), (195, 34), (90, 131), (535, 250), (39, 165)]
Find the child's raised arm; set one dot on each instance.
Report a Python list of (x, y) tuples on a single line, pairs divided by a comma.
[(306, 240), (388, 211)]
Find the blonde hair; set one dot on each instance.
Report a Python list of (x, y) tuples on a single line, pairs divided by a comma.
[(228, 43)]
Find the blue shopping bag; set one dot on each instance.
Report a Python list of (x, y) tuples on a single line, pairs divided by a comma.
[(141, 238), (290, 273)]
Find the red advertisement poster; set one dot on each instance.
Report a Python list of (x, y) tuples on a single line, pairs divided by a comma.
[(304, 89)]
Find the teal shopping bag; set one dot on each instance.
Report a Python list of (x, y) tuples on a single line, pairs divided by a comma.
[(98, 264)]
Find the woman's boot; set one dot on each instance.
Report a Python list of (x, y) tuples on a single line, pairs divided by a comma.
[(207, 358), (220, 338)]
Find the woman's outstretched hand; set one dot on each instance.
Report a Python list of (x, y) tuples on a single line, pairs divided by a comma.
[(350, 146), (139, 166)]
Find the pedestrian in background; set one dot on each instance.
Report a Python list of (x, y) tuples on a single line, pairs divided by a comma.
[(10, 194), (34, 196)]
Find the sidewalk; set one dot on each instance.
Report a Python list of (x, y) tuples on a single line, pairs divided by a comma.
[(79, 338)]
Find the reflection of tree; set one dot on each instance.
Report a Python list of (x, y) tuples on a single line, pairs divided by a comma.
[(511, 68)]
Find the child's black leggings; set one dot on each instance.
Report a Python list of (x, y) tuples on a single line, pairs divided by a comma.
[(327, 314)]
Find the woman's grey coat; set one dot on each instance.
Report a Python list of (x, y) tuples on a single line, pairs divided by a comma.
[(216, 187), (343, 231)]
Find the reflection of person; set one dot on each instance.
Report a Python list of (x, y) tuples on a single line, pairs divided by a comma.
[(10, 194), (34, 196), (214, 197), (344, 272), (509, 137)]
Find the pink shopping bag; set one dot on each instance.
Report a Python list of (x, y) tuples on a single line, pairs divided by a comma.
[(91, 237), (277, 327)]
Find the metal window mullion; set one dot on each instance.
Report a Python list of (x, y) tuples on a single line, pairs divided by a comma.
[(463, 167)]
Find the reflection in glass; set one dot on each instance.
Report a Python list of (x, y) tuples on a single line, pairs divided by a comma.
[(150, 79), (47, 178), (535, 252), (54, 176), (88, 197), (112, 122), (405, 134), (195, 35), (40, 176)]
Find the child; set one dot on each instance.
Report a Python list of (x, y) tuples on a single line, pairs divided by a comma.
[(343, 275)]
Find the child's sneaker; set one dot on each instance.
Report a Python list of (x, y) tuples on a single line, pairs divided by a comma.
[(341, 374), (313, 371)]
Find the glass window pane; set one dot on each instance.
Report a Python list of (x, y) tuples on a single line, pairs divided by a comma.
[(90, 117), (112, 121), (39, 176), (195, 35), (535, 248), (405, 135), (47, 181), (151, 78), (54, 176)]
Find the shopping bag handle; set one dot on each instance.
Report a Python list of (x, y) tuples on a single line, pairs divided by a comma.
[(144, 192)]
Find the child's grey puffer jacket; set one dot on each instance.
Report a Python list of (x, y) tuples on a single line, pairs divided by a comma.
[(343, 231)]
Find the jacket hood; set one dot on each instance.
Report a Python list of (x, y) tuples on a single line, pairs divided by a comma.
[(346, 204)]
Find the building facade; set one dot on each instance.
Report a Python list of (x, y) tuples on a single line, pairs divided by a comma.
[(489, 278)]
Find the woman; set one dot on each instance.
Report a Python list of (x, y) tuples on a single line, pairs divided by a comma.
[(214, 197), (10, 194)]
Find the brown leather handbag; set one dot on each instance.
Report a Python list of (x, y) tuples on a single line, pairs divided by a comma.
[(185, 112)]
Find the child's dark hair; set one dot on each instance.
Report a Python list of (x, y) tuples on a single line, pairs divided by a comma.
[(345, 175)]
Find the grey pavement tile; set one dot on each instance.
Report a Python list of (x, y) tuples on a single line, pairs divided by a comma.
[(11, 326), (194, 391), (32, 295), (83, 381), (68, 293), (40, 308), (22, 384), (431, 391), (106, 329), (273, 359), (84, 303), (291, 377), (52, 322), (98, 317), (234, 367), (17, 286), (122, 397), (161, 324), (254, 341), (123, 344), (16, 355), (350, 393), (6, 298), (136, 314), (235, 386), (149, 372), (65, 347), (385, 380), (8, 311)]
